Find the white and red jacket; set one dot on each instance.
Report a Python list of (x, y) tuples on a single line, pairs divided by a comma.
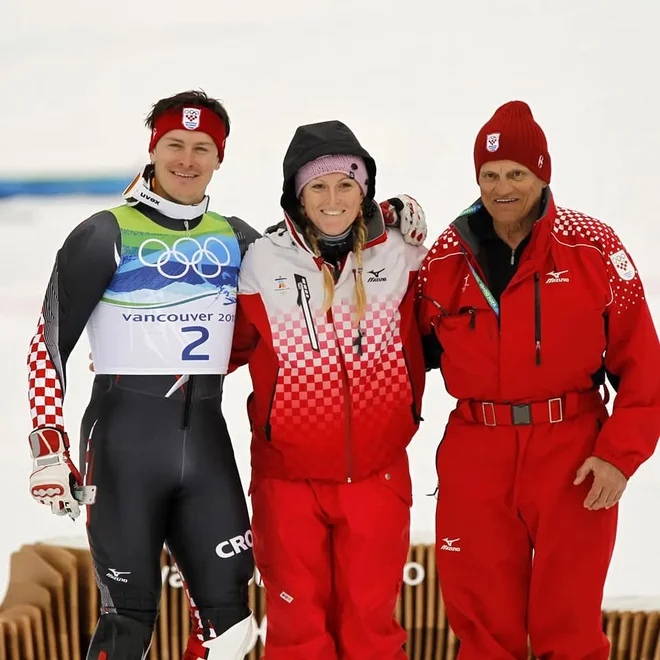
[(332, 400)]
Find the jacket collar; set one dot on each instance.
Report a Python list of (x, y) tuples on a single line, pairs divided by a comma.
[(140, 192), (474, 225), (376, 233)]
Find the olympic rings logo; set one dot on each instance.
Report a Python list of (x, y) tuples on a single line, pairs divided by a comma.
[(178, 254)]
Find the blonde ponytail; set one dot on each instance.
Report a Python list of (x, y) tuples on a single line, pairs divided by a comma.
[(358, 246), (328, 280)]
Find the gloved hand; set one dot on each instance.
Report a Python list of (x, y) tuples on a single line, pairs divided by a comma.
[(405, 213), (55, 480)]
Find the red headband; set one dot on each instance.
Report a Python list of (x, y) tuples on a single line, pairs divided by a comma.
[(193, 118)]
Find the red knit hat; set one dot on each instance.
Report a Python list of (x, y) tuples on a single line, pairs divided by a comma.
[(512, 134)]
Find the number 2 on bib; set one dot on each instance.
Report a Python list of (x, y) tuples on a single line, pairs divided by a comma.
[(187, 353)]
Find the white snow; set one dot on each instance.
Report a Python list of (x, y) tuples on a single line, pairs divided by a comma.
[(415, 80)]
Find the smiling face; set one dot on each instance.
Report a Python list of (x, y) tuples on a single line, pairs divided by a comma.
[(510, 192), (332, 202), (184, 163)]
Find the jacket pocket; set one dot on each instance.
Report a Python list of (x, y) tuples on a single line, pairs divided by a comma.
[(436, 492), (267, 427), (250, 411), (464, 319), (396, 477), (469, 340), (455, 331), (416, 406)]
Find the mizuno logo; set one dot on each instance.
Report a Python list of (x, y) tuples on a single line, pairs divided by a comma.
[(555, 276), (114, 574), (375, 276), (449, 546)]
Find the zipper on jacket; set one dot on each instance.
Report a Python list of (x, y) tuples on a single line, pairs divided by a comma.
[(537, 317), (473, 317), (347, 401), (267, 426), (302, 301), (347, 405), (513, 257), (436, 493), (417, 418), (357, 342), (188, 403)]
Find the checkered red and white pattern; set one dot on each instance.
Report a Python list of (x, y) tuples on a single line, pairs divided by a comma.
[(574, 225), (45, 390), (448, 240), (447, 245), (309, 384), (310, 389), (379, 374)]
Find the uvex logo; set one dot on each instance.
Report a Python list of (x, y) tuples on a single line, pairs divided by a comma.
[(148, 197)]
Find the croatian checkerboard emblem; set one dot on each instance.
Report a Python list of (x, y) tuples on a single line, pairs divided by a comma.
[(622, 265), (493, 142), (191, 118)]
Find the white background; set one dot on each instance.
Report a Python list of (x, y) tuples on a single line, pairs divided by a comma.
[(415, 80)]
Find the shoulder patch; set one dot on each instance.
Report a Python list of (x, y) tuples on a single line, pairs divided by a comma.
[(622, 265)]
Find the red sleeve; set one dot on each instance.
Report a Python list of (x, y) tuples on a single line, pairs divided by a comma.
[(245, 338), (632, 355), (45, 392)]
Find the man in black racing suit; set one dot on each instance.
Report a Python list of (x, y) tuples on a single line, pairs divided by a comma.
[(155, 447)]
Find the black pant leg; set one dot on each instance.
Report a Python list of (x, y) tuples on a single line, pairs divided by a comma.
[(209, 532), (134, 459)]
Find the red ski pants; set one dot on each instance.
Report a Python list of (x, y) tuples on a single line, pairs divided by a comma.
[(519, 557), (332, 558)]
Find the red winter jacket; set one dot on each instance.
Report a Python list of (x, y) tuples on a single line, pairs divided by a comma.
[(574, 309), (328, 403)]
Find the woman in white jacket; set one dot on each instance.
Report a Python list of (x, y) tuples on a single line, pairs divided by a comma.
[(327, 323)]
